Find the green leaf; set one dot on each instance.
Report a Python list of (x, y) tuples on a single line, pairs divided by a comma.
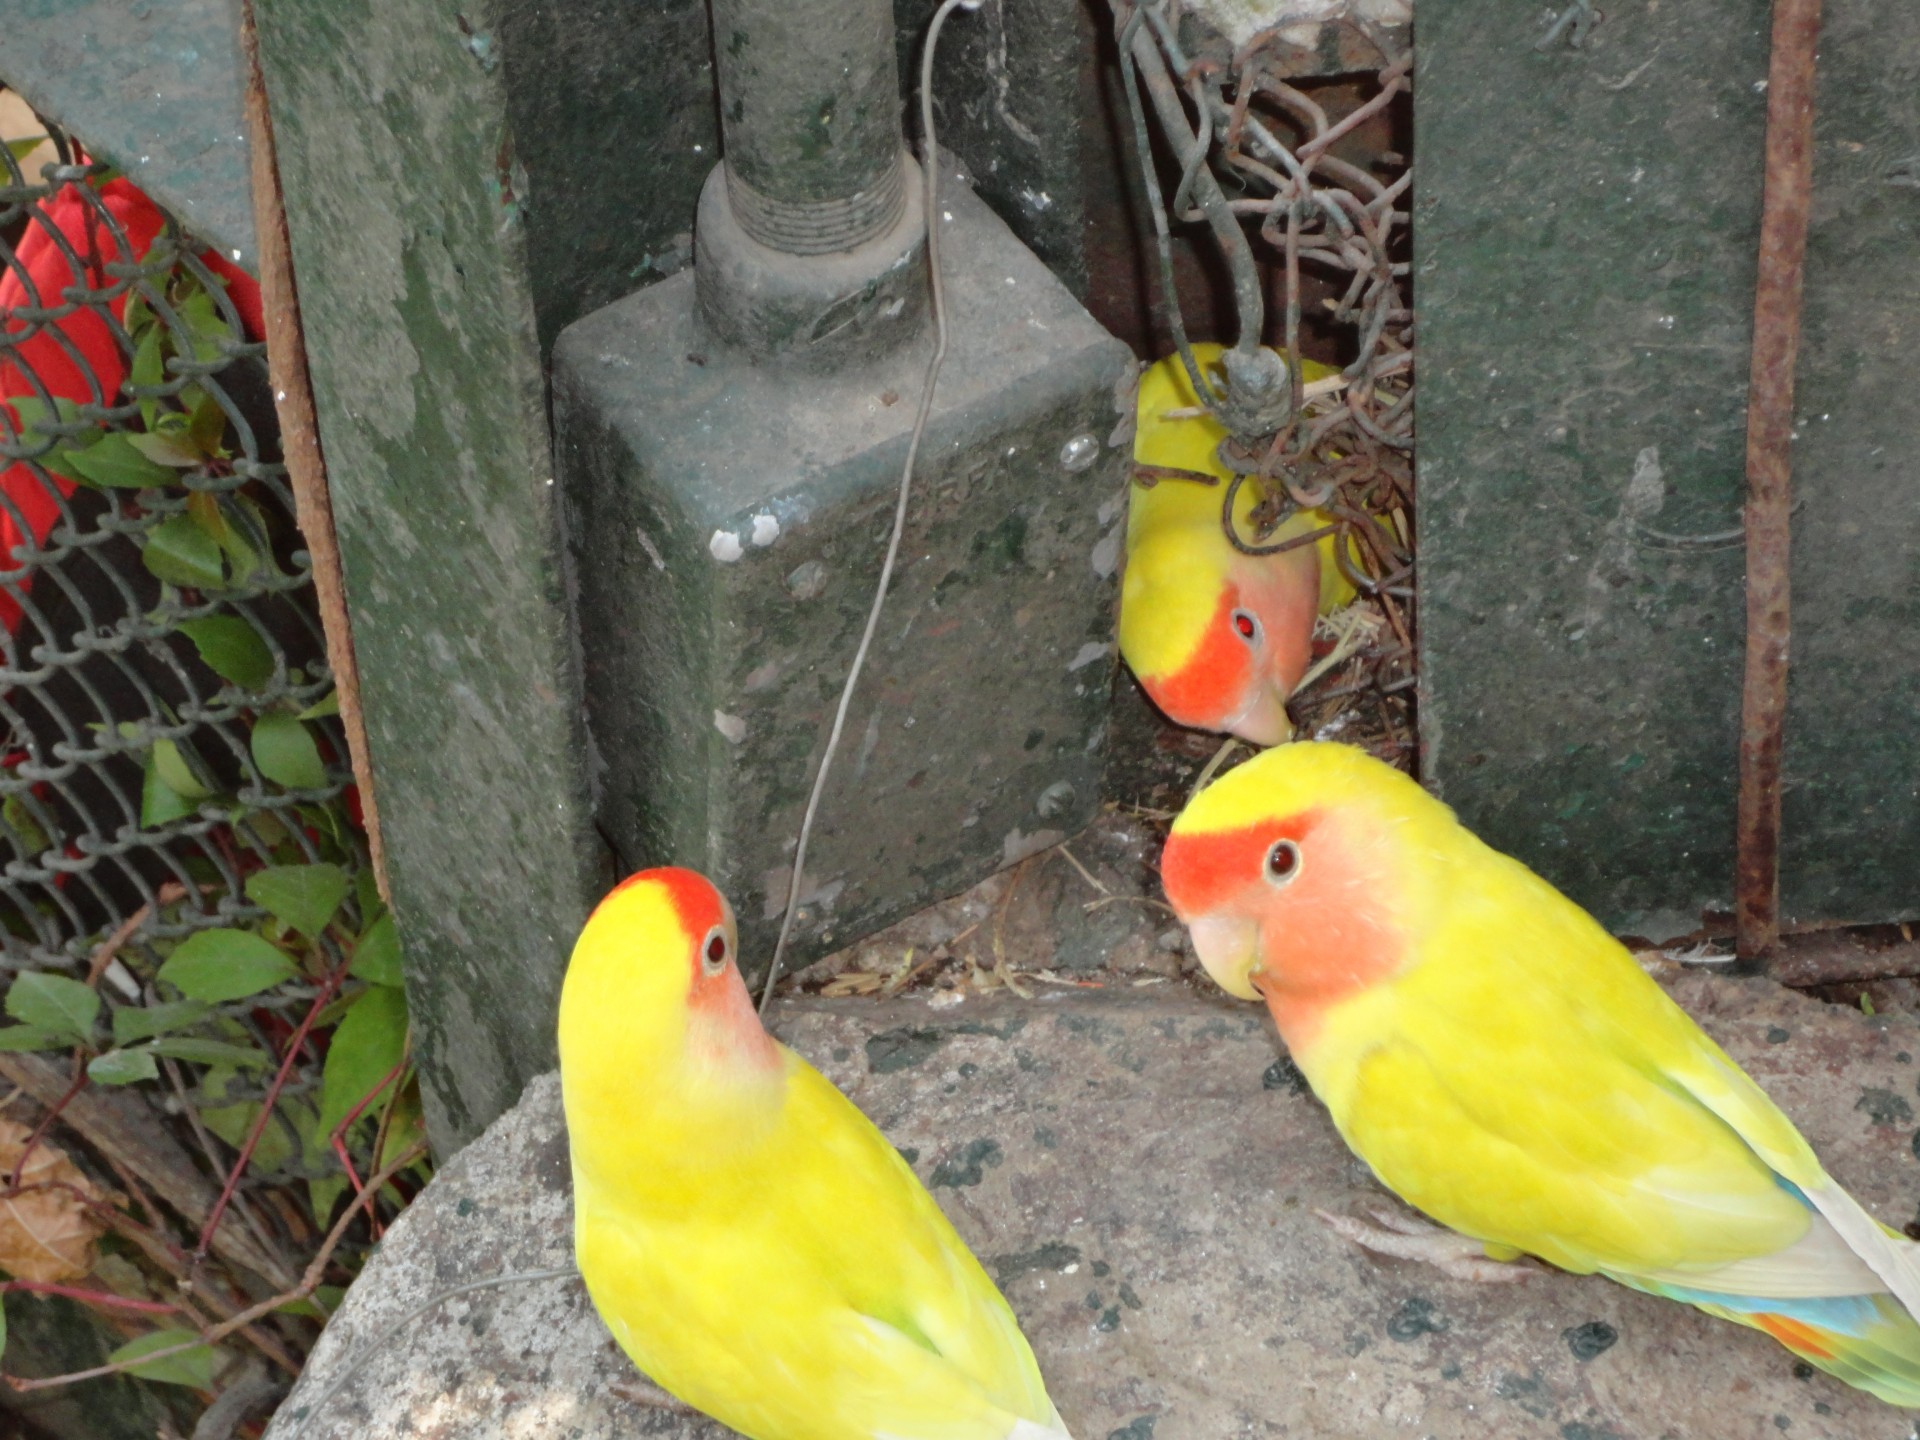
[(181, 553), (327, 818), (368, 1044), (32, 427), (160, 803), (20, 149), (303, 897), (376, 958), (138, 318), (31, 839), (242, 532), (323, 1195), (327, 704), (31, 1037), (192, 1368), (366, 895), (116, 462), (207, 423), (221, 965), (232, 649), (53, 1002), (206, 330), (133, 1023), (407, 1125), (163, 449), (318, 1306), (60, 462), (286, 754), (148, 368), (122, 1067), (180, 773), (209, 1052)]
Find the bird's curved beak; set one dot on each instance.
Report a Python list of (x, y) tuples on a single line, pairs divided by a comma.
[(1263, 720), (1229, 946)]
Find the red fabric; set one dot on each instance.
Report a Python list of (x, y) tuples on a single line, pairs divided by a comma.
[(43, 353)]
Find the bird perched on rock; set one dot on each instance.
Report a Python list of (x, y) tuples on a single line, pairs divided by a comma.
[(1217, 638), (1504, 1065), (752, 1241)]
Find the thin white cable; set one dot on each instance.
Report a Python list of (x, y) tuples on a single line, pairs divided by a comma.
[(930, 190)]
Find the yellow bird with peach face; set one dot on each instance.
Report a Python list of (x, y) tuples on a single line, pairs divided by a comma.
[(751, 1240), (1217, 638), (1504, 1065)]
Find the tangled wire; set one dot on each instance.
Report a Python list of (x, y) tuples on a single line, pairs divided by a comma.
[(1255, 154)]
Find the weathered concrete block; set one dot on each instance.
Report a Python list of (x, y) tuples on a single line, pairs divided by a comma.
[(1139, 1175), (727, 522)]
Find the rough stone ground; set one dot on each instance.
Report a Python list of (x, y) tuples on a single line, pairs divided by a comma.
[(1138, 1167)]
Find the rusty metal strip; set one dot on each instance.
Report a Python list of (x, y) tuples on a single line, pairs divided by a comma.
[(299, 432), (1776, 344)]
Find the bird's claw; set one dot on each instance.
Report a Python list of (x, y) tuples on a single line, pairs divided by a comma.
[(1406, 1238)]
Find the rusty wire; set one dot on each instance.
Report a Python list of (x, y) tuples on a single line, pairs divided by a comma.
[(1257, 168)]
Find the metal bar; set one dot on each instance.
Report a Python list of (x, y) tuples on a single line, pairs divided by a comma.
[(1776, 344), (299, 432)]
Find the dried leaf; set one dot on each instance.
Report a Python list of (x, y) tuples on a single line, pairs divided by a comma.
[(853, 982), (45, 1234)]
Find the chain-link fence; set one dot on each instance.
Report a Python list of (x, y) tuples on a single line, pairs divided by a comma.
[(186, 908), (1256, 161), (165, 690)]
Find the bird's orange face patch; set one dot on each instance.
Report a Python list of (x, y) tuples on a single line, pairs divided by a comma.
[(1207, 871), (1316, 904), (1212, 685), (1251, 652)]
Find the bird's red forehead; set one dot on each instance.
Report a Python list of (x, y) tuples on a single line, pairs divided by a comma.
[(696, 904), (1203, 870)]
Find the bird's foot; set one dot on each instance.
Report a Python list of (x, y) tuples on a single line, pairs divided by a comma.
[(1406, 1238), (640, 1391)]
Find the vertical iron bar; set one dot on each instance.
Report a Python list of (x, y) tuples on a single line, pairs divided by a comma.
[(1776, 343), (300, 436)]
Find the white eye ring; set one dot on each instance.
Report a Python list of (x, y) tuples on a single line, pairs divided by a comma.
[(715, 952), (1246, 625), (1283, 862)]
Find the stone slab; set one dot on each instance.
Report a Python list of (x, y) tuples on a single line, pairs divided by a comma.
[(152, 88), (1138, 1171)]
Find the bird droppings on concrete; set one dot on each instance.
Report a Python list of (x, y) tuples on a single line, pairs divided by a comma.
[(1144, 1161)]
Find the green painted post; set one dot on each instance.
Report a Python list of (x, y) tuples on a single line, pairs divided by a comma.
[(405, 204), (1585, 251)]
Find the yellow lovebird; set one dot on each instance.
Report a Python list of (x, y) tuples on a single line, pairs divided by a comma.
[(1217, 638), (1504, 1065), (751, 1240)]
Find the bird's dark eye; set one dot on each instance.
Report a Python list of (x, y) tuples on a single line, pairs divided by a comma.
[(1283, 861), (1245, 625), (715, 951)]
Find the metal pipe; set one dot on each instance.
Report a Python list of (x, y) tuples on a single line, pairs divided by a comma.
[(1776, 343), (810, 117), (809, 241)]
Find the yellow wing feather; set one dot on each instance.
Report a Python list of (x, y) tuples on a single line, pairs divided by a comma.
[(1580, 1146), (820, 1252)]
